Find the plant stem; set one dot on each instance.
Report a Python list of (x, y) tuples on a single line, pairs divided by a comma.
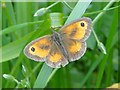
[(101, 14), (102, 10), (67, 5), (52, 5), (100, 45)]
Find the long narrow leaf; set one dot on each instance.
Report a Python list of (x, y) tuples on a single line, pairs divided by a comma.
[(18, 27), (13, 49), (113, 29)]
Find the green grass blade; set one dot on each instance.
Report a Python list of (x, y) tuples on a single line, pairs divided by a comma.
[(43, 76), (16, 47), (0, 45), (10, 13), (18, 27), (0, 16), (109, 71), (94, 65), (108, 46), (19, 44), (77, 12)]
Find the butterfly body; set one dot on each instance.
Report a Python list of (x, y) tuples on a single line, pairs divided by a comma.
[(58, 40), (62, 47)]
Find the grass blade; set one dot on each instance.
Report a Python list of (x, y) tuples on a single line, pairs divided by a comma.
[(94, 65), (43, 76), (0, 45), (17, 47), (18, 27), (108, 45), (78, 10), (10, 13)]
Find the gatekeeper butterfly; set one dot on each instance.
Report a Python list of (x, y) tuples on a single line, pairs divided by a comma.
[(62, 47)]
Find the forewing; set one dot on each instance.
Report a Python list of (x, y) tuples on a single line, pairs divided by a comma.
[(39, 49), (78, 30)]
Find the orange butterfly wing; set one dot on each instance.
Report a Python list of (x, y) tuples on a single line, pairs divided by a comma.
[(74, 36), (75, 49), (78, 30), (39, 49)]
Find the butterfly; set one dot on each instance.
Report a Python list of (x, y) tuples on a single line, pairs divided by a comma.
[(62, 47)]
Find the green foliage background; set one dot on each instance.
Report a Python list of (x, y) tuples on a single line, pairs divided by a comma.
[(94, 70)]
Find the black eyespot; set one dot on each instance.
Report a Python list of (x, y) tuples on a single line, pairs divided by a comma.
[(33, 49), (82, 24)]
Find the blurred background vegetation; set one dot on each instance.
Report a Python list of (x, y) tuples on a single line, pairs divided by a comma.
[(94, 70)]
